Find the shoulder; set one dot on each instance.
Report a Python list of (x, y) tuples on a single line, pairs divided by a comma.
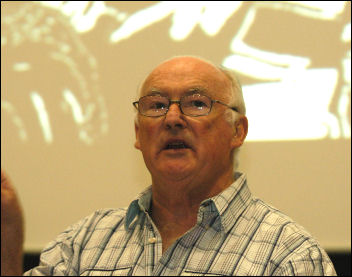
[(293, 249), (104, 217), (275, 227), (99, 222), (61, 256), (272, 219), (101, 217)]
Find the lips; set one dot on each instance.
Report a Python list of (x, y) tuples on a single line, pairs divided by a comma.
[(175, 144)]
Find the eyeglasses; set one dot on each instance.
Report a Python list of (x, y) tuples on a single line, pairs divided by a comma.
[(191, 105)]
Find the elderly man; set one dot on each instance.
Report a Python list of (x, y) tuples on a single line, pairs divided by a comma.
[(198, 217)]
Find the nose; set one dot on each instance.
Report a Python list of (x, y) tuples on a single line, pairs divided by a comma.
[(174, 118)]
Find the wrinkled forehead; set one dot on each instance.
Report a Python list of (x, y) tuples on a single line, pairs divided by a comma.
[(181, 75)]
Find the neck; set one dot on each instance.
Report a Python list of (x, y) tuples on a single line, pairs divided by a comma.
[(175, 204), (188, 192)]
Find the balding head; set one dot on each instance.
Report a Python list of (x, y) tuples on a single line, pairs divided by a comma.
[(229, 88), (178, 68), (182, 75)]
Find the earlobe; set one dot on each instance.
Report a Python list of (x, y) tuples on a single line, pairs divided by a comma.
[(137, 143)]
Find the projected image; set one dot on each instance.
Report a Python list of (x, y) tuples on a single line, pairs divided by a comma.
[(292, 85), (49, 78), (70, 71), (310, 93), (292, 91)]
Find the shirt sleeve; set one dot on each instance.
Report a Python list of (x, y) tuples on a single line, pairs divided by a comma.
[(62, 257), (311, 261), (57, 257)]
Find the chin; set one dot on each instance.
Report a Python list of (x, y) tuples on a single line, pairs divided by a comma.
[(175, 170)]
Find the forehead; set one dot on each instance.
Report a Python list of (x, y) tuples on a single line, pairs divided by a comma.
[(181, 75)]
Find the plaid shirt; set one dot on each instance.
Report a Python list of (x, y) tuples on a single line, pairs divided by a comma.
[(235, 234)]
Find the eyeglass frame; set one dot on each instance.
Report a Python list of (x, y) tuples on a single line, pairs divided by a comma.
[(178, 102)]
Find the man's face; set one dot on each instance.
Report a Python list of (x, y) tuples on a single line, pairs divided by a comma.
[(176, 146)]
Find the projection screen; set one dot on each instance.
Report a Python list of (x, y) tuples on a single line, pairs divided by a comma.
[(70, 71)]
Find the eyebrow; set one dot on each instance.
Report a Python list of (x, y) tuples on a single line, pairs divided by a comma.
[(193, 90), (155, 91), (199, 90)]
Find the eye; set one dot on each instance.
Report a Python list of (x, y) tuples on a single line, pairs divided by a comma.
[(157, 106), (199, 104), (154, 103)]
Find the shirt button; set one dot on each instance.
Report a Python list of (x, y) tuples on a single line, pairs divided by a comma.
[(152, 240)]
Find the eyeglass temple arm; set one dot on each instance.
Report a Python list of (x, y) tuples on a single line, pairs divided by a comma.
[(232, 108)]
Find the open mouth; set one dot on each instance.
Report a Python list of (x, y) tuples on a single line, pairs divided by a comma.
[(176, 145)]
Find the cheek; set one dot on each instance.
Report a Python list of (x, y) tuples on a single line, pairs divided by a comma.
[(148, 133), (217, 139)]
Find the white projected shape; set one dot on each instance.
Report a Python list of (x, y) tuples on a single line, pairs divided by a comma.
[(314, 9), (295, 108), (256, 68), (215, 15), (15, 118), (84, 14), (78, 116), (343, 105), (43, 116), (346, 34), (141, 20), (210, 15), (184, 20), (258, 63), (21, 67), (82, 20), (75, 106)]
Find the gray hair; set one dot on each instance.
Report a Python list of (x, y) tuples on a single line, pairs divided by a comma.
[(236, 100)]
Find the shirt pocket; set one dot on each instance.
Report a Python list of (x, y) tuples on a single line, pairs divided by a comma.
[(107, 272)]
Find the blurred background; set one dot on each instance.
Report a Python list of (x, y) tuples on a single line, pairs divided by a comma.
[(70, 71)]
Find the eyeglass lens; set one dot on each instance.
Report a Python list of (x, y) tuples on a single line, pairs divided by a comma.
[(157, 105)]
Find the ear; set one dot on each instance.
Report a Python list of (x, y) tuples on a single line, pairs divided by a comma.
[(241, 130), (137, 143)]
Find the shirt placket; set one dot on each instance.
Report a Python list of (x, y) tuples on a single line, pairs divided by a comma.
[(165, 265), (153, 247)]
